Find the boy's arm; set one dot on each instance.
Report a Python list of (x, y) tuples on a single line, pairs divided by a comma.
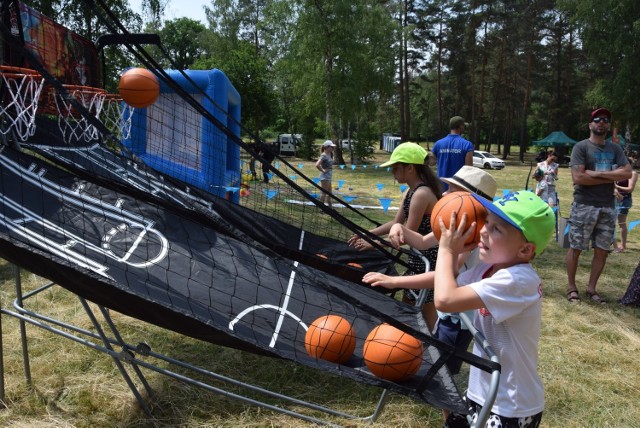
[(400, 235), (376, 279), (423, 280), (448, 297)]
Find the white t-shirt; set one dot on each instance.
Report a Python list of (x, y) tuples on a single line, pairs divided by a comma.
[(510, 321)]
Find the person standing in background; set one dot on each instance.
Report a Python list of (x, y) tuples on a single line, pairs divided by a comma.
[(267, 154), (632, 295), (325, 166), (595, 167), (549, 168), (623, 191), (541, 186), (453, 151)]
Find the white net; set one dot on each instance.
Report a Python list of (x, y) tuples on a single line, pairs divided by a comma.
[(74, 126), (20, 90), (116, 115)]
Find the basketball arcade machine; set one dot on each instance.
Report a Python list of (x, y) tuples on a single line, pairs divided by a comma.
[(215, 167), (178, 150), (73, 60)]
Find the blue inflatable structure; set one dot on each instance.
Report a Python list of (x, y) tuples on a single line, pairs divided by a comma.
[(171, 137)]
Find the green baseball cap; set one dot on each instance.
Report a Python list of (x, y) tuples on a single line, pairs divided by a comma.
[(527, 212), (407, 153)]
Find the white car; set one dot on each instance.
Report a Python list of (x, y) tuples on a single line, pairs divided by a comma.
[(486, 160)]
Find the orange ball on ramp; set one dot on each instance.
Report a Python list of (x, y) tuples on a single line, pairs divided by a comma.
[(392, 354), (330, 338)]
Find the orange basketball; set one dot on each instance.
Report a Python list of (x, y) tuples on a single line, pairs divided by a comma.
[(331, 338), (461, 203), (392, 354), (139, 87)]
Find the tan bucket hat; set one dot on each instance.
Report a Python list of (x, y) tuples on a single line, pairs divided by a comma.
[(475, 181)]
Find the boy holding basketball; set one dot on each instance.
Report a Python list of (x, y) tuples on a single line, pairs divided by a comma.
[(505, 293), (449, 328)]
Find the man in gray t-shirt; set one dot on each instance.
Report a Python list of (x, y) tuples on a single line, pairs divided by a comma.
[(595, 166)]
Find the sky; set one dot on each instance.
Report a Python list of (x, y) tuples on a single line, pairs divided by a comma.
[(179, 8)]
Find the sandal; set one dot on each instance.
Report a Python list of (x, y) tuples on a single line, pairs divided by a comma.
[(573, 296), (595, 297)]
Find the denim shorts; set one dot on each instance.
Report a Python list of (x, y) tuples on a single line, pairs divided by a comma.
[(452, 333), (624, 205)]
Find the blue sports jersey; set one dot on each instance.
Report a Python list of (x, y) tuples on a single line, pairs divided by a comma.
[(450, 152)]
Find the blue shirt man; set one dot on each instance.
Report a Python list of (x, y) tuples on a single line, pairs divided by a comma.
[(453, 151)]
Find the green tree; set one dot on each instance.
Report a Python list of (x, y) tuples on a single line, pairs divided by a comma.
[(248, 74), (152, 11), (610, 33), (235, 46), (182, 39), (343, 61)]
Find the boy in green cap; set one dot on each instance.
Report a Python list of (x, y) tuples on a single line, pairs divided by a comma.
[(506, 294)]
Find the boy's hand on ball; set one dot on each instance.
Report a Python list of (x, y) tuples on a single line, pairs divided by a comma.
[(453, 238)]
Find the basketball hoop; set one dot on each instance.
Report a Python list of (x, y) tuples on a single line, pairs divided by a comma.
[(19, 92), (116, 115), (73, 125)]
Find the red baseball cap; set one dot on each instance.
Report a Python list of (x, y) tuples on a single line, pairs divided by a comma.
[(600, 112)]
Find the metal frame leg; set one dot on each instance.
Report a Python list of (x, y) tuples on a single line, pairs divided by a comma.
[(23, 329), (118, 360)]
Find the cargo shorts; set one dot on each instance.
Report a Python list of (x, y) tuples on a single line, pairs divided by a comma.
[(591, 224)]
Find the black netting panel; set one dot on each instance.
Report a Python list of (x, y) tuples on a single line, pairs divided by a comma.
[(140, 230)]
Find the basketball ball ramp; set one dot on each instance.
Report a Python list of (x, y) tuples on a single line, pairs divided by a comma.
[(157, 265)]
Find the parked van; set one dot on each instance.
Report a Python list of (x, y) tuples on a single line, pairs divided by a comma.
[(287, 144), (347, 145)]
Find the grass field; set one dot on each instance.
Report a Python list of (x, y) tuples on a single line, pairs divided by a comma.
[(588, 355)]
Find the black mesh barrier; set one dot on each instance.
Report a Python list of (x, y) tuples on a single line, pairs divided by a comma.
[(250, 271)]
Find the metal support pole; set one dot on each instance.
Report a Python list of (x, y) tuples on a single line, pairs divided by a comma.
[(2, 402), (119, 364), (23, 328), (126, 348)]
